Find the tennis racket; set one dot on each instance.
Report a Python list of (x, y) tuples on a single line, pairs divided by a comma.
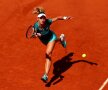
[(30, 33)]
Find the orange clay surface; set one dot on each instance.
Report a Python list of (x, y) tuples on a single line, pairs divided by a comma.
[(22, 60)]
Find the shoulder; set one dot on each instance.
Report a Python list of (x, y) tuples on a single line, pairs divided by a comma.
[(36, 25), (49, 21)]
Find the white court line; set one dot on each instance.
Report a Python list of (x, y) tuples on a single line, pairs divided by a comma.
[(103, 85)]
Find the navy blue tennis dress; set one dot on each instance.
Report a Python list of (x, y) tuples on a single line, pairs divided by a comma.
[(47, 34)]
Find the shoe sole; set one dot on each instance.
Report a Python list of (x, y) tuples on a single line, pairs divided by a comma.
[(45, 81)]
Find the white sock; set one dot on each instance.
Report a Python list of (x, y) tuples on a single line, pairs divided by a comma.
[(62, 37)]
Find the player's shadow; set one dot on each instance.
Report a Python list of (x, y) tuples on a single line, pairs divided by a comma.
[(62, 65)]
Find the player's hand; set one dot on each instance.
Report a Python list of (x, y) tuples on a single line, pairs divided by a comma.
[(67, 17), (34, 35), (39, 35)]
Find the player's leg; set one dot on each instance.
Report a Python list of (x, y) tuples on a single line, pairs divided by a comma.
[(50, 47)]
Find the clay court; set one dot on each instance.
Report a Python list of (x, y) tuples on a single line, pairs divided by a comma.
[(22, 60)]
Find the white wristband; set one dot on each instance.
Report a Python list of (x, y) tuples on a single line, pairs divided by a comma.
[(64, 17)]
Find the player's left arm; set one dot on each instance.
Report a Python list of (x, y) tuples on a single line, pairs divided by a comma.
[(61, 18)]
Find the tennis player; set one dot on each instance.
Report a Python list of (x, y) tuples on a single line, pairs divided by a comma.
[(47, 36)]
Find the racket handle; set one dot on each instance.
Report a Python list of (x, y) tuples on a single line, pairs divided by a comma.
[(34, 35)]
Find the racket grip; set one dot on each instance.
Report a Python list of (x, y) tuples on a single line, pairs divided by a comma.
[(34, 35)]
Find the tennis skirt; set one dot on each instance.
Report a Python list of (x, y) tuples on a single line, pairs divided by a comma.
[(51, 36)]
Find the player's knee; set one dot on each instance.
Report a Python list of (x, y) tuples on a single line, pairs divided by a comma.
[(48, 55)]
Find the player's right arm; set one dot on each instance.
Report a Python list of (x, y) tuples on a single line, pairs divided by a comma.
[(35, 33)]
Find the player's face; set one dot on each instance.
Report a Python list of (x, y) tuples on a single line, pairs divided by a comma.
[(42, 20)]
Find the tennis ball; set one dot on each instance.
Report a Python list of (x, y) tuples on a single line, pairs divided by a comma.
[(84, 55)]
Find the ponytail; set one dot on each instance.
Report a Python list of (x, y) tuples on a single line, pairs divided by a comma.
[(38, 10)]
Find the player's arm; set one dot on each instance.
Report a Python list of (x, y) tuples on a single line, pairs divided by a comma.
[(36, 34), (61, 18)]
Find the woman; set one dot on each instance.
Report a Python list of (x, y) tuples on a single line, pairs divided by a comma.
[(46, 36)]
